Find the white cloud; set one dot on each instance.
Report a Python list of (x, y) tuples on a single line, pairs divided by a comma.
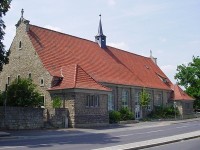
[(53, 28), (120, 45)]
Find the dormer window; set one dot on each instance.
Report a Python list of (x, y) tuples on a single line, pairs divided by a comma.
[(20, 44)]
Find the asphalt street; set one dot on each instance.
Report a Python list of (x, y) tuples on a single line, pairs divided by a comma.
[(86, 139)]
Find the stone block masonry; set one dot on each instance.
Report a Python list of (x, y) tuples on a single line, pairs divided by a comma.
[(32, 118)]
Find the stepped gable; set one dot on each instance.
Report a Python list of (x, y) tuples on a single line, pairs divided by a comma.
[(106, 65), (73, 76), (179, 94)]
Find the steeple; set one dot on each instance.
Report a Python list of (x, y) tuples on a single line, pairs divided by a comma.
[(100, 38)]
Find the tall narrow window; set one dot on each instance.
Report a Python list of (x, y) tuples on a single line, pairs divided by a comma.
[(158, 99), (137, 98), (125, 98), (29, 75), (42, 102), (18, 77), (20, 44), (41, 82), (8, 81), (110, 102)]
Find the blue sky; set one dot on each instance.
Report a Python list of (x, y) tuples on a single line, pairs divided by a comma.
[(170, 28)]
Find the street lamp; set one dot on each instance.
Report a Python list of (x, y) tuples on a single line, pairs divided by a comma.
[(175, 110)]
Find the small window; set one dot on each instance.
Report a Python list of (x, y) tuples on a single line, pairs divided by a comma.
[(42, 101), (20, 45), (18, 77), (29, 75), (41, 82), (8, 80), (92, 101)]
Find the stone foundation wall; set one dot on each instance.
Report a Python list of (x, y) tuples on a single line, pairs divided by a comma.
[(32, 118)]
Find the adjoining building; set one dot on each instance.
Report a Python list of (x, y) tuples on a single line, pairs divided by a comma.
[(91, 78)]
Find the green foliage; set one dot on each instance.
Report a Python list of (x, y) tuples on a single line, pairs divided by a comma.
[(144, 98), (189, 77), (114, 116), (126, 114), (57, 102), (163, 112), (4, 6), (123, 114), (22, 92)]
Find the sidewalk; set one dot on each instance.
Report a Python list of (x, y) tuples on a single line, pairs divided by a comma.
[(153, 142)]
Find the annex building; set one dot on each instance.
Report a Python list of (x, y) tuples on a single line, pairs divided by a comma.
[(90, 77)]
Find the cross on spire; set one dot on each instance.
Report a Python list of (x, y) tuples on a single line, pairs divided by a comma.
[(22, 13)]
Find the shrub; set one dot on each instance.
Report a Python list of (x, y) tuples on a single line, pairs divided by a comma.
[(163, 112), (57, 102), (126, 114), (114, 116), (22, 92)]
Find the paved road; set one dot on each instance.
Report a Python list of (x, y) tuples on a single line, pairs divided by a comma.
[(192, 144), (86, 139)]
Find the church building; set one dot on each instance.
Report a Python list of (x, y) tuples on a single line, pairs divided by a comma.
[(90, 77)]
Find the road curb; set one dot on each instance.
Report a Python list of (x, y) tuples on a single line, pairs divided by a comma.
[(154, 142)]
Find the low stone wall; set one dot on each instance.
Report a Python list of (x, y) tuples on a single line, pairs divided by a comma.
[(32, 118), (21, 118)]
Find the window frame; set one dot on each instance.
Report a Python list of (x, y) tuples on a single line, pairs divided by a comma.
[(92, 101)]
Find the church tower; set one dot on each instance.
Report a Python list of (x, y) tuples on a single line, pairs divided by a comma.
[(100, 38)]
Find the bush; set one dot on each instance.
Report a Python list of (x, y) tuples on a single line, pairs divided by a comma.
[(163, 112), (2, 98), (23, 93), (57, 102), (114, 116), (126, 114)]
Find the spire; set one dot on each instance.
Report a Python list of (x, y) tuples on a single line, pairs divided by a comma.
[(100, 30), (100, 38)]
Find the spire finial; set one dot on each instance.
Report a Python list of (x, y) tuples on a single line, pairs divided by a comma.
[(22, 13), (150, 53), (100, 16)]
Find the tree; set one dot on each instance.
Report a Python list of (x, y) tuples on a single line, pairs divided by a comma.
[(188, 76), (22, 92), (144, 100), (4, 6)]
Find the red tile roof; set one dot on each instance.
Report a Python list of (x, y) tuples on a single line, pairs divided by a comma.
[(179, 94), (110, 65), (75, 77)]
